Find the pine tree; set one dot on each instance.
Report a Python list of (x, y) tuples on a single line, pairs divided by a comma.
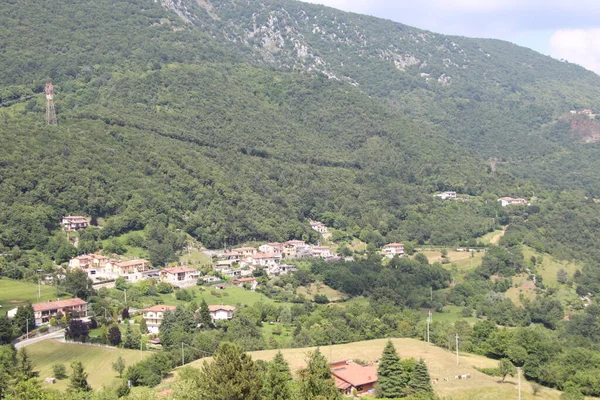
[(232, 375), (119, 366), (143, 327), (204, 314), (25, 365), (392, 380), (114, 335), (316, 381), (278, 379), (79, 378), (25, 318), (420, 381)]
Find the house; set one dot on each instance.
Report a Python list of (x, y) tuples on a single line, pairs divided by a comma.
[(211, 279), (154, 316), (124, 268), (265, 259), (350, 376), (318, 226), (73, 223), (251, 282), (220, 313), (507, 201), (280, 269), (43, 312), (393, 249), (291, 248), (322, 252), (179, 276), (231, 256), (272, 248), (447, 195), (93, 264), (245, 251)]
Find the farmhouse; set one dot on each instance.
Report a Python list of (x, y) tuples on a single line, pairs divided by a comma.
[(73, 223), (220, 313), (251, 282), (179, 276), (349, 375), (154, 316), (447, 195), (507, 201), (393, 249), (43, 312)]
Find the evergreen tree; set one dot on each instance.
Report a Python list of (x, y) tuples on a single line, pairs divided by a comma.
[(132, 340), (114, 335), (232, 375), (316, 381), (25, 365), (204, 314), (420, 381), (143, 327), (119, 366), (278, 379), (79, 378), (392, 380), (24, 318), (6, 330)]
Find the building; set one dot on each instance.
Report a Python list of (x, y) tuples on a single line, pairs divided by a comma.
[(293, 247), (280, 269), (154, 316), (73, 223), (318, 226), (265, 259), (251, 282), (393, 249), (507, 201), (220, 313), (350, 376), (272, 248), (179, 276), (93, 264), (447, 195), (322, 252), (246, 251), (43, 312), (124, 268)]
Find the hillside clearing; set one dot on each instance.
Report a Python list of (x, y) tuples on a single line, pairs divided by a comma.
[(96, 360), (547, 266), (16, 293), (321, 288)]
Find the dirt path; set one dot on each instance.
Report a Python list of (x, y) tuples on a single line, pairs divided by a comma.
[(496, 239)]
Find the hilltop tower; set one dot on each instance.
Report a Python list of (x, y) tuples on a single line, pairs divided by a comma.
[(50, 111)]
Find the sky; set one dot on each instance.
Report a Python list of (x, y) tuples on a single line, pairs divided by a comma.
[(563, 29)]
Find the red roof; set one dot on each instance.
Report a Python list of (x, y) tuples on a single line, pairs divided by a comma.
[(218, 308), (244, 249), (160, 308), (354, 374), (265, 255), (241, 280), (394, 245), (178, 270), (132, 263), (73, 218), (53, 305)]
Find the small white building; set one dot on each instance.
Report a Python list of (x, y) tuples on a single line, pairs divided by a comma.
[(322, 252), (221, 313), (73, 223), (393, 249), (319, 227), (272, 248), (507, 201), (447, 195), (154, 316)]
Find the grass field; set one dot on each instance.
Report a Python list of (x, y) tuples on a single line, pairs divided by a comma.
[(441, 364), (321, 288), (231, 295), (451, 314), (96, 360), (195, 258), (549, 266), (462, 259), (492, 237), (15, 293)]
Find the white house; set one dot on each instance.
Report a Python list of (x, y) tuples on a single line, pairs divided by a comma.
[(73, 223), (154, 316), (447, 195), (393, 249), (322, 252), (318, 226), (220, 313), (507, 201), (271, 248), (280, 269), (179, 276)]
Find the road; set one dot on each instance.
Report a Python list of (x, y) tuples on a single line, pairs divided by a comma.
[(54, 335)]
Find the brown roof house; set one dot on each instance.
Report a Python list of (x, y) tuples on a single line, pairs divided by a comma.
[(220, 313), (72, 223), (349, 376), (43, 312), (154, 316)]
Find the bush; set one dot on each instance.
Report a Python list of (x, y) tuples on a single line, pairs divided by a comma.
[(466, 312), (59, 371), (43, 329), (183, 295), (321, 299), (164, 288)]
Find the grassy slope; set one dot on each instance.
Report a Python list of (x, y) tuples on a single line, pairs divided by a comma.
[(230, 296), (550, 266), (321, 288), (12, 291), (96, 360), (441, 364)]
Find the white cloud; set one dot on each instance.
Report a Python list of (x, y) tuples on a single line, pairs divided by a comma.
[(580, 46)]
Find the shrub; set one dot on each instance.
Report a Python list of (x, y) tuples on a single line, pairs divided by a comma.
[(59, 371)]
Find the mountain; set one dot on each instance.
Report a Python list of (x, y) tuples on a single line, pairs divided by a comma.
[(240, 121)]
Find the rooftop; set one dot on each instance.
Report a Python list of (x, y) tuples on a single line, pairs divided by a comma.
[(160, 308), (394, 245), (178, 270), (52, 305), (132, 263), (221, 307), (353, 373)]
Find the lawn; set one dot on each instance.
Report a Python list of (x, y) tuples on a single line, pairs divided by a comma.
[(15, 293), (451, 314), (96, 360), (231, 295), (492, 237), (514, 293), (463, 260), (320, 288), (549, 266), (195, 257), (441, 364)]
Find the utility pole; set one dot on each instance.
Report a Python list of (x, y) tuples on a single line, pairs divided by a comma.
[(50, 110), (457, 349), (431, 293), (141, 350), (519, 378), (428, 322), (125, 297), (182, 355), (27, 327)]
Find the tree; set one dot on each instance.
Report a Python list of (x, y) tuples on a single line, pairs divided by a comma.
[(232, 375), (505, 367), (114, 335), (125, 313), (25, 318), (204, 314), (6, 330), (392, 380), (562, 276), (143, 327), (119, 366), (25, 365), (572, 393), (132, 340), (315, 380), (79, 378), (77, 330), (78, 284), (420, 381), (278, 379), (59, 371)]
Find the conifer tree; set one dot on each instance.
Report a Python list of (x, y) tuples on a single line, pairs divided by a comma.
[(232, 375), (278, 379), (420, 381), (143, 327), (25, 365), (204, 314), (392, 381), (316, 381), (79, 378)]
